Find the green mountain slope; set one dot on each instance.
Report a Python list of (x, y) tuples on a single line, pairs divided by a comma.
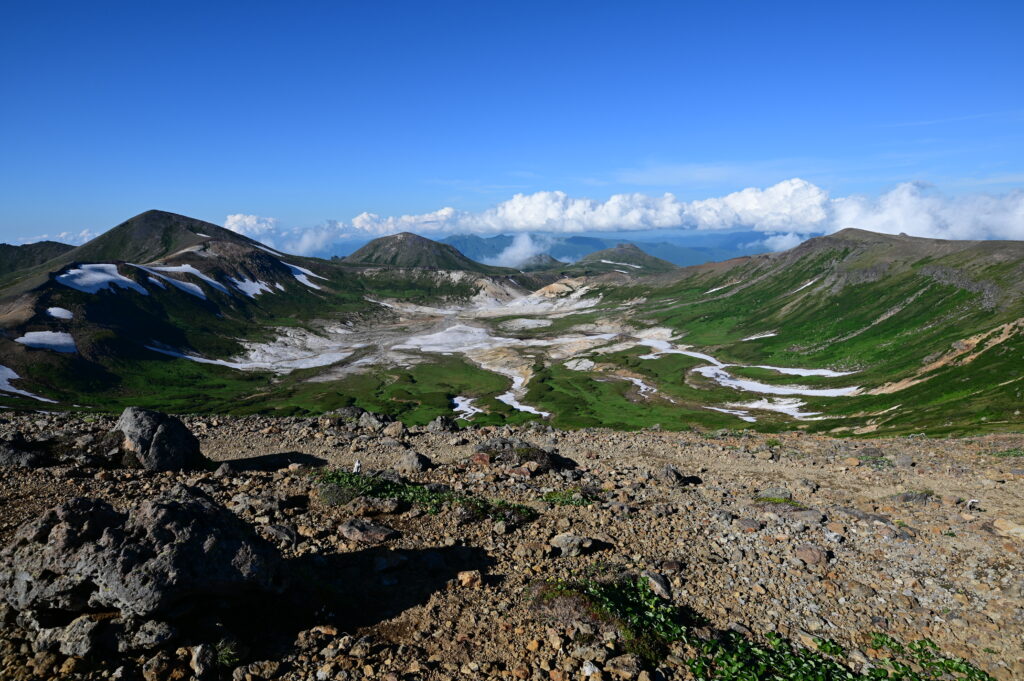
[(623, 258), (407, 250), (932, 329), (875, 333), (14, 258)]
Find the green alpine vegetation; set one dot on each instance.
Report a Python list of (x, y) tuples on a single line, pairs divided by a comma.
[(854, 333)]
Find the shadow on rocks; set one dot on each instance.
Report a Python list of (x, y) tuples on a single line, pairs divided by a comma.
[(179, 569), (273, 462)]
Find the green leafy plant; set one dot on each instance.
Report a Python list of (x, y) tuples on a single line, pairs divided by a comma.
[(573, 496), (1010, 453), (647, 623), (348, 486), (779, 500), (227, 654), (650, 625), (875, 461)]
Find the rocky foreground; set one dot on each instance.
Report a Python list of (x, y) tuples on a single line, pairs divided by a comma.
[(246, 548)]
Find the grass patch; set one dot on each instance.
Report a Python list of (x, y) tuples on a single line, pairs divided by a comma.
[(779, 500), (875, 461), (1010, 453), (733, 657), (651, 626), (647, 623), (574, 496), (433, 499)]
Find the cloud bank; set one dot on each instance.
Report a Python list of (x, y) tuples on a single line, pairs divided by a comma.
[(786, 212), (73, 238), (523, 247)]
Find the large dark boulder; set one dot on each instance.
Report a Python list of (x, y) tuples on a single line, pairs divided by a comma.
[(170, 557), (520, 455), (442, 424), (10, 456), (156, 441)]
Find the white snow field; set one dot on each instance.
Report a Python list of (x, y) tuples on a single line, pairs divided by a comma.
[(744, 415), (57, 341), (303, 275), (465, 409), (251, 287), (97, 277), (60, 313), (159, 279), (189, 269), (7, 375)]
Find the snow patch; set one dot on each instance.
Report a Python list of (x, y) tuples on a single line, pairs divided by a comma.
[(719, 288), (622, 264), (187, 287), (744, 415), (766, 334), (464, 407), (645, 389), (524, 324), (790, 406), (7, 375), (250, 287), (511, 398), (189, 269), (97, 277), (580, 364), (294, 349), (60, 313), (794, 371), (804, 286), (58, 341), (303, 275), (724, 378)]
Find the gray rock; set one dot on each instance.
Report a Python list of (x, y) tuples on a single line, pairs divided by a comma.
[(670, 475), (412, 463), (903, 461), (157, 442), (396, 429), (810, 554), (775, 493), (810, 516), (365, 532), (442, 424), (80, 637), (20, 459), (659, 584), (570, 544), (623, 666), (161, 560), (149, 635), (371, 421), (204, 661)]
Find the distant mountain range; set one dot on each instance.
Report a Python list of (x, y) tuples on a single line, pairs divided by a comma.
[(855, 332), (682, 250)]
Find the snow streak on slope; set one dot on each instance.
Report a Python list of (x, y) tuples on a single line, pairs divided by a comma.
[(97, 277)]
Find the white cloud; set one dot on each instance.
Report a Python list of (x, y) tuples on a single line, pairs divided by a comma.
[(914, 209), (250, 225), (522, 248), (73, 238), (780, 242), (787, 212)]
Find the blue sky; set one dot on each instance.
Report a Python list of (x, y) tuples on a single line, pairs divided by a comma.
[(306, 113)]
